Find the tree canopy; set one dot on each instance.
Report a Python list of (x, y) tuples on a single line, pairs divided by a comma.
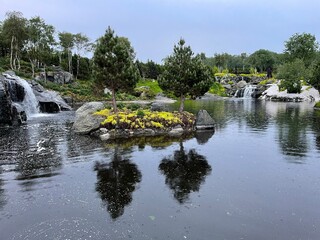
[(302, 46), (114, 63), (185, 74)]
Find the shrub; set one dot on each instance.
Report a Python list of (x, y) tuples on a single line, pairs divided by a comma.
[(127, 119), (291, 75), (218, 89)]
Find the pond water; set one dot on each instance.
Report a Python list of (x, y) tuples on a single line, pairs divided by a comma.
[(256, 177)]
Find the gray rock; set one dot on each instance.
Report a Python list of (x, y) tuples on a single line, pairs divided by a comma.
[(49, 101), (107, 91), (85, 122), (57, 76), (10, 112), (176, 131), (241, 84), (204, 120), (105, 136)]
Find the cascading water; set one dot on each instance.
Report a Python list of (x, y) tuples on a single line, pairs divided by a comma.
[(245, 92), (30, 102), (249, 89)]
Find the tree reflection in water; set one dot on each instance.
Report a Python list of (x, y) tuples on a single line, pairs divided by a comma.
[(184, 172), (292, 133), (116, 181)]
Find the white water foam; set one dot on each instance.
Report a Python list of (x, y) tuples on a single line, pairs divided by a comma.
[(248, 91), (30, 102)]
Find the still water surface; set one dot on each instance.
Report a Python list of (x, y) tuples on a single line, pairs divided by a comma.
[(256, 177)]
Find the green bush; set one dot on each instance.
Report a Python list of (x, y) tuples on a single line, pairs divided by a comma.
[(218, 89), (291, 74)]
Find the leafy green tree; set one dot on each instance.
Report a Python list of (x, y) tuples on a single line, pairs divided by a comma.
[(185, 74), (40, 42), (4, 46), (291, 74), (315, 74), (262, 59), (67, 44), (302, 46), (14, 32), (114, 64), (82, 45), (150, 69)]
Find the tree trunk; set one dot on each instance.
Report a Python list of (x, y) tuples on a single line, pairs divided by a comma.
[(11, 53), (45, 74), (60, 58), (182, 98), (70, 61), (114, 103), (18, 60), (78, 66), (32, 67)]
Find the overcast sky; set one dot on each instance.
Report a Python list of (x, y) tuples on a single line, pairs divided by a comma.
[(154, 26)]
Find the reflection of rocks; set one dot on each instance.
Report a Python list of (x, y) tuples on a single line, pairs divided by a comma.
[(203, 136), (184, 172), (116, 182)]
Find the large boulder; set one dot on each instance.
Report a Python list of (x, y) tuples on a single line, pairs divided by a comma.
[(49, 101), (85, 122), (57, 75), (204, 121), (10, 112), (308, 93)]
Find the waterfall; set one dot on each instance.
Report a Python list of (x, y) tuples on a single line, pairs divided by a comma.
[(245, 92), (30, 103), (248, 91)]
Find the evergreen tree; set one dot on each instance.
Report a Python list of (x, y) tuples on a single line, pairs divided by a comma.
[(185, 74), (114, 64)]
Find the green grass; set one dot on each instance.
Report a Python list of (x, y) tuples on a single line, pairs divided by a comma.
[(79, 90), (218, 89), (152, 84)]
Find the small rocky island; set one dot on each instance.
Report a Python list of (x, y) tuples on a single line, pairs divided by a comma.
[(94, 119)]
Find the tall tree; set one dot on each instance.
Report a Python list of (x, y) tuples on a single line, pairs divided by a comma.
[(303, 46), (40, 42), (291, 74), (114, 63), (262, 59), (14, 31), (82, 45), (4, 46), (185, 74), (67, 44)]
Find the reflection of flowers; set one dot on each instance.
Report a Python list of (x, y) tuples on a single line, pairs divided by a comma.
[(116, 182), (185, 172)]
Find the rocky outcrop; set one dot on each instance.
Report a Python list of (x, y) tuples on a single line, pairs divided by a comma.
[(10, 112), (273, 93), (85, 122), (57, 75), (204, 121), (19, 99), (49, 101)]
